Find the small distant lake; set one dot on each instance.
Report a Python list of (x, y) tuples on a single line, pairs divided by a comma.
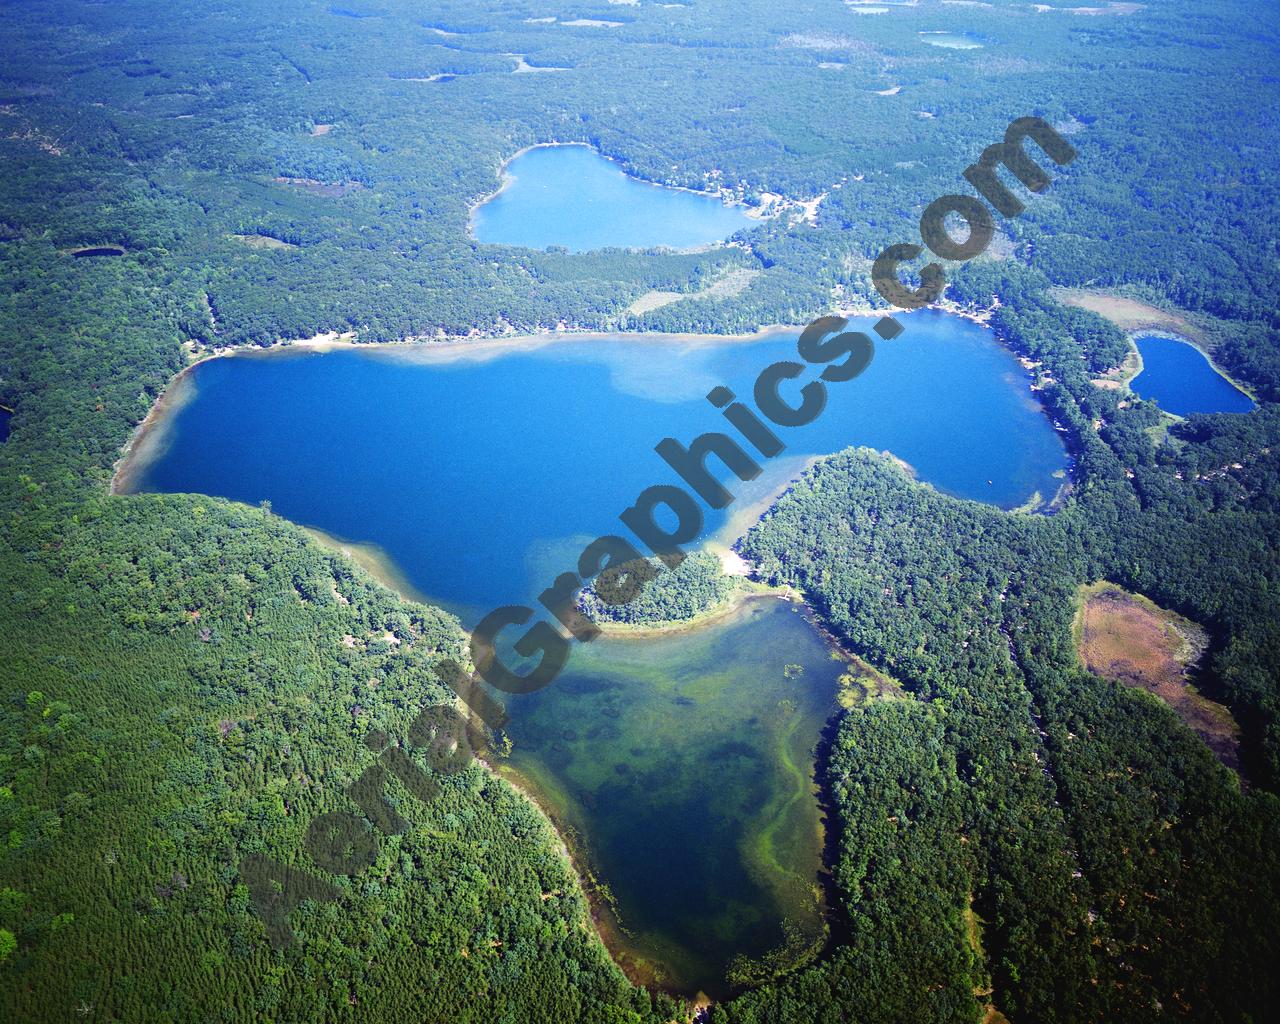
[(684, 763), (951, 40), (4, 424), (1179, 377), (571, 196)]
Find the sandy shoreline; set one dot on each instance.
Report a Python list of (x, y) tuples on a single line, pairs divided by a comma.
[(729, 608), (175, 395), (373, 560), (476, 346), (601, 914), (454, 347)]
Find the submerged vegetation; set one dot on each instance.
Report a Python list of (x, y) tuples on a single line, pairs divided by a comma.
[(683, 763), (1012, 775)]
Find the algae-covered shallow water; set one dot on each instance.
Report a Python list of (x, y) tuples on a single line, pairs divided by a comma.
[(683, 767)]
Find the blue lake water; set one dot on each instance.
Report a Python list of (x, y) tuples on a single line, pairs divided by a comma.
[(4, 425), (573, 197), (481, 470), (1181, 379), (680, 767)]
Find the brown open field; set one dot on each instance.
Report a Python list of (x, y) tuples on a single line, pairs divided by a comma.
[(1130, 639), (1127, 314)]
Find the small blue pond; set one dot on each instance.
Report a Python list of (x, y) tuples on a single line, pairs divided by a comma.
[(1179, 377)]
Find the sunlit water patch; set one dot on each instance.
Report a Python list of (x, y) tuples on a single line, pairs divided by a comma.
[(951, 40)]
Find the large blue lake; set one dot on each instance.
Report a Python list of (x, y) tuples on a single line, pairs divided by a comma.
[(1181, 379), (482, 469), (573, 197), (679, 767)]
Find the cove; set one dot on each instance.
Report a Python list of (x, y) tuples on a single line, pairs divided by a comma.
[(1180, 378), (682, 765), (571, 196)]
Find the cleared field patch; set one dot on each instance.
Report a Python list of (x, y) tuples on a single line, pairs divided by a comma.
[(730, 286), (1127, 314), (264, 242), (1130, 639)]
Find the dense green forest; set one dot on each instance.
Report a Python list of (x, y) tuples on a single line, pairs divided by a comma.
[(1123, 871), (190, 682), (694, 587)]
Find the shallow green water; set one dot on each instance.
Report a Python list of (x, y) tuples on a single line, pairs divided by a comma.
[(720, 723)]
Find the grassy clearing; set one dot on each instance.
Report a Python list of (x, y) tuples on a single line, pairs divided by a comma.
[(1128, 314), (730, 286), (264, 242), (1138, 317), (1132, 640)]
